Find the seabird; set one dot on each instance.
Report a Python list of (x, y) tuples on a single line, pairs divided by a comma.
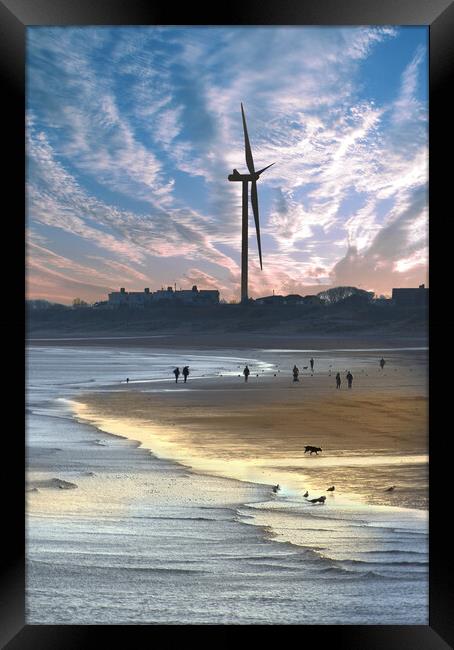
[(276, 488), (306, 494), (319, 500), (330, 489), (390, 489)]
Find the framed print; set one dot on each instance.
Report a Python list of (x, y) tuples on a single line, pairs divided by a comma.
[(227, 281)]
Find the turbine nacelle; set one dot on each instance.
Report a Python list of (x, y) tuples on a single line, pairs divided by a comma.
[(236, 176)]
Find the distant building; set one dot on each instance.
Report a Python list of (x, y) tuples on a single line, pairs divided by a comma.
[(311, 300), (145, 298), (291, 299), (270, 300), (139, 298), (411, 297), (164, 294), (117, 298), (208, 297)]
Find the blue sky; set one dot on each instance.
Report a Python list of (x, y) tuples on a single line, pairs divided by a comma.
[(132, 132)]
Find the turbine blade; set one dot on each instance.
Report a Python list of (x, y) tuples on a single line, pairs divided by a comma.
[(265, 168), (255, 210), (247, 145)]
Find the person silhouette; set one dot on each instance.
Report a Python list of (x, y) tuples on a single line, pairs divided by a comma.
[(349, 379), (295, 373), (382, 363), (338, 380), (312, 365), (176, 372), (127, 380), (246, 373), (185, 373)]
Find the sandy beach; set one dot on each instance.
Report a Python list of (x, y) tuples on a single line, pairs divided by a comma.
[(219, 422)]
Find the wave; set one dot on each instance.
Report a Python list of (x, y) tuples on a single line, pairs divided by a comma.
[(53, 483), (177, 518), (166, 570), (387, 564), (394, 551), (266, 566), (124, 567), (55, 416), (251, 558), (234, 510), (361, 575)]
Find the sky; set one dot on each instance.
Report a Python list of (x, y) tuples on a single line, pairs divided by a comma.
[(132, 132)]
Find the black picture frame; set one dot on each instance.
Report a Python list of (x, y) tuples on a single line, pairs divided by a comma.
[(15, 17)]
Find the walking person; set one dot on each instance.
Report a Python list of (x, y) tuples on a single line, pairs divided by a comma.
[(349, 379), (127, 380), (382, 363), (338, 380), (246, 373), (185, 373), (176, 372), (312, 365), (295, 373)]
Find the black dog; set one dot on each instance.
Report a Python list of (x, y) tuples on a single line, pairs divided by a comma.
[(319, 500), (312, 449)]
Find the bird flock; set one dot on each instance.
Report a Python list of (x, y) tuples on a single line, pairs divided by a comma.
[(321, 499)]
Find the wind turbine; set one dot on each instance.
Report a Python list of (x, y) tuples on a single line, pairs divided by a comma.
[(253, 177)]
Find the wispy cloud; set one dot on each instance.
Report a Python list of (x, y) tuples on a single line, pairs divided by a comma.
[(132, 132), (407, 107)]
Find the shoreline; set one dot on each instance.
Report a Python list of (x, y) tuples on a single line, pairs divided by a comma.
[(389, 466), (219, 424), (215, 418)]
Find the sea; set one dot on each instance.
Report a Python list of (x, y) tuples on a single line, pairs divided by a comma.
[(118, 533)]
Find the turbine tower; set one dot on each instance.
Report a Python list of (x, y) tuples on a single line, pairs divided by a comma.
[(252, 177)]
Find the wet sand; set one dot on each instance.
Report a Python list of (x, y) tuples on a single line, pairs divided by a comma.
[(267, 422)]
